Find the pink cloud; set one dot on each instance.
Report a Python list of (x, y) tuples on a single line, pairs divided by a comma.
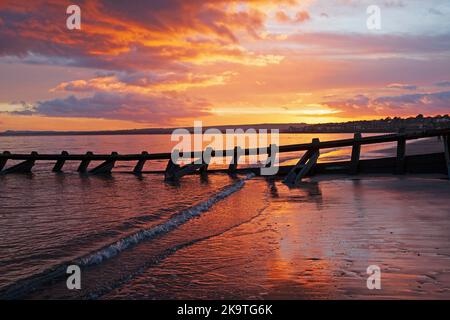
[(406, 104), (151, 109)]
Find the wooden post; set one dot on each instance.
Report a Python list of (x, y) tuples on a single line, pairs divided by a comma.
[(23, 167), (85, 163), (356, 152), (3, 161), (172, 167), (446, 140), (60, 163), (401, 153), (140, 165), (206, 159), (271, 156), (107, 166), (234, 161)]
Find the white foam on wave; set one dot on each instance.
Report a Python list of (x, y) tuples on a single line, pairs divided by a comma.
[(22, 287), (182, 217)]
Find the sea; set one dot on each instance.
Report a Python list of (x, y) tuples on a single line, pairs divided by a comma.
[(117, 227)]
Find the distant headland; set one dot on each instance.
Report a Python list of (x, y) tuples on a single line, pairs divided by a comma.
[(388, 124)]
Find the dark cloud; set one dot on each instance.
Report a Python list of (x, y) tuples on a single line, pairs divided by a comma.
[(357, 103), (405, 104), (445, 83), (159, 109), (402, 86), (428, 101), (370, 44)]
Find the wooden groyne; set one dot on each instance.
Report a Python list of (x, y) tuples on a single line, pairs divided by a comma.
[(307, 164)]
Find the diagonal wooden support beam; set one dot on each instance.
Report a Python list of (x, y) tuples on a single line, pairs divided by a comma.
[(85, 163), (171, 169), (172, 165), (187, 169), (292, 175), (107, 166), (23, 167), (175, 172), (60, 163), (3, 161), (306, 163), (140, 165)]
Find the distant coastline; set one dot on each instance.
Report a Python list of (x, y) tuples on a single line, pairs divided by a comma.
[(367, 126)]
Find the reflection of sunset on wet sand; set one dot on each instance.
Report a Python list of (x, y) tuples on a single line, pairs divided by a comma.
[(316, 241)]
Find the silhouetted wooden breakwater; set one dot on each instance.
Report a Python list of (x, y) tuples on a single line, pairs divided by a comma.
[(307, 164)]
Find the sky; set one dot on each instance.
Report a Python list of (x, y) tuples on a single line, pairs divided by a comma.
[(165, 63)]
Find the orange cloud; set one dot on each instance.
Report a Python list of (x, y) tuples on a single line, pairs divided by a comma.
[(145, 35), (166, 61), (145, 83)]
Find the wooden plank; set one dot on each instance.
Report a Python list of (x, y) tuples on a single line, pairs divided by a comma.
[(356, 152), (60, 163)]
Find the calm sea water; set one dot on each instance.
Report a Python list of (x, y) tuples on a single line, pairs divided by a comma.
[(49, 220)]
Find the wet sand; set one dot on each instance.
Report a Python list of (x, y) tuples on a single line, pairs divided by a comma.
[(316, 241), (414, 147)]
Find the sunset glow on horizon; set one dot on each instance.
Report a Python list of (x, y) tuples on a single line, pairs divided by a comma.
[(166, 63)]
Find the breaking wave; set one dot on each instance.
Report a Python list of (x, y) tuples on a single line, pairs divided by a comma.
[(23, 286)]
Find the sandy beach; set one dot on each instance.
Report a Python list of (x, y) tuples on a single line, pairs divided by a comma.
[(414, 147), (316, 241)]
